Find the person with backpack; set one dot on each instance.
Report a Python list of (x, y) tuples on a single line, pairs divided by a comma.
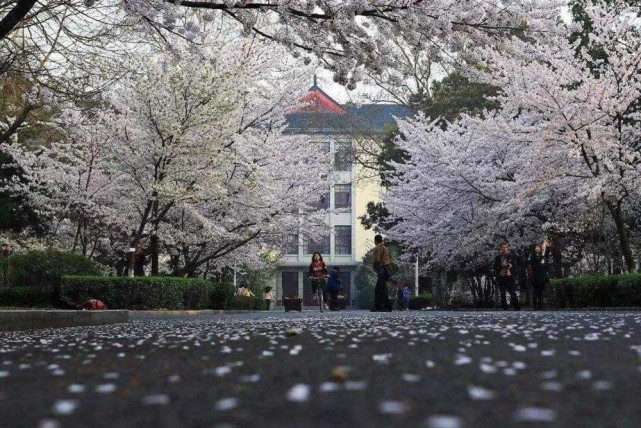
[(333, 288)]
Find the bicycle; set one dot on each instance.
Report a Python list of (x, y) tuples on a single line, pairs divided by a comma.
[(320, 283)]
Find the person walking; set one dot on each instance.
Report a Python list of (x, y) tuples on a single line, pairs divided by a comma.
[(504, 265), (383, 267), (538, 265), (5, 252), (140, 260), (317, 275), (268, 297), (333, 287)]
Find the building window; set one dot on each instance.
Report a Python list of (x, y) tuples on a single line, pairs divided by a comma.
[(343, 156), (343, 195), (317, 245), (343, 240), (291, 244)]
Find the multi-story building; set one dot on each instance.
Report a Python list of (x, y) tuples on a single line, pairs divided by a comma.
[(337, 127)]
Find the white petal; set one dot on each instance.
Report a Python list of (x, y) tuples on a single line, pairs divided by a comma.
[(156, 399), (106, 388), (444, 421), (534, 414), (226, 404), (480, 393), (299, 393), (65, 407), (393, 407)]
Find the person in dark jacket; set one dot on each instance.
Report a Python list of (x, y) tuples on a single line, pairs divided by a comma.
[(504, 265), (538, 266), (318, 275), (382, 259), (140, 260), (333, 287)]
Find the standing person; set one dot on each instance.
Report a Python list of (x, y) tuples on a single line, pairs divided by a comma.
[(333, 287), (406, 297), (317, 274), (399, 296), (6, 250), (268, 297), (382, 267), (504, 265), (4, 253), (121, 265), (538, 263), (140, 260)]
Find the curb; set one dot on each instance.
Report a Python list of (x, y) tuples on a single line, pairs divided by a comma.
[(11, 320), (138, 314), (569, 310)]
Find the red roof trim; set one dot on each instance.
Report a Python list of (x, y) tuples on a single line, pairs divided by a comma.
[(317, 101)]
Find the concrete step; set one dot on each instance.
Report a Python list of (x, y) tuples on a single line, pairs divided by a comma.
[(29, 319)]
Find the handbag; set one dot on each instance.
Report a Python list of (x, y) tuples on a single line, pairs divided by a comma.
[(392, 268)]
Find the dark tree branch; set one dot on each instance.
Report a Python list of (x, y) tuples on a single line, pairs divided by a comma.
[(13, 18)]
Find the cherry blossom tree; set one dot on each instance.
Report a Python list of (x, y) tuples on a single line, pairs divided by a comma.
[(564, 141), (346, 34), (187, 153)]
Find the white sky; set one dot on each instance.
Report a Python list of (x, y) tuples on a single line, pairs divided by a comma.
[(339, 92)]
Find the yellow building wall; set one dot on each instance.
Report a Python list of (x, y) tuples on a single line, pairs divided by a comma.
[(367, 189)]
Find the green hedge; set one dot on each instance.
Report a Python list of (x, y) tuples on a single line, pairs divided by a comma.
[(596, 291), (140, 293), (28, 297), (247, 303), (43, 270), (420, 302), (149, 293), (222, 295)]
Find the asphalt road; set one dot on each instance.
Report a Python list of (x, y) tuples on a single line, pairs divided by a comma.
[(356, 369)]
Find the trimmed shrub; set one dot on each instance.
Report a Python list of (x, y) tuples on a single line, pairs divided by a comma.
[(461, 302), (420, 302), (222, 295), (628, 291), (140, 293), (44, 269), (245, 303), (596, 291), (25, 297), (197, 294)]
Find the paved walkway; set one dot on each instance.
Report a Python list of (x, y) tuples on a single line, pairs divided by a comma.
[(308, 369)]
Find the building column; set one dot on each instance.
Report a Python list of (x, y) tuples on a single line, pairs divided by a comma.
[(352, 288), (301, 284)]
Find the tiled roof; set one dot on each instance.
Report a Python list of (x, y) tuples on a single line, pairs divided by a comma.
[(325, 117)]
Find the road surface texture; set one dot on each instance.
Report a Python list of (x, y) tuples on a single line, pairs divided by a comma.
[(340, 369)]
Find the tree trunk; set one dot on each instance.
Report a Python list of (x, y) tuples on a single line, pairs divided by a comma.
[(153, 244), (556, 266), (622, 233)]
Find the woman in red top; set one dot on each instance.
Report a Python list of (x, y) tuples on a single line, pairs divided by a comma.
[(317, 274)]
